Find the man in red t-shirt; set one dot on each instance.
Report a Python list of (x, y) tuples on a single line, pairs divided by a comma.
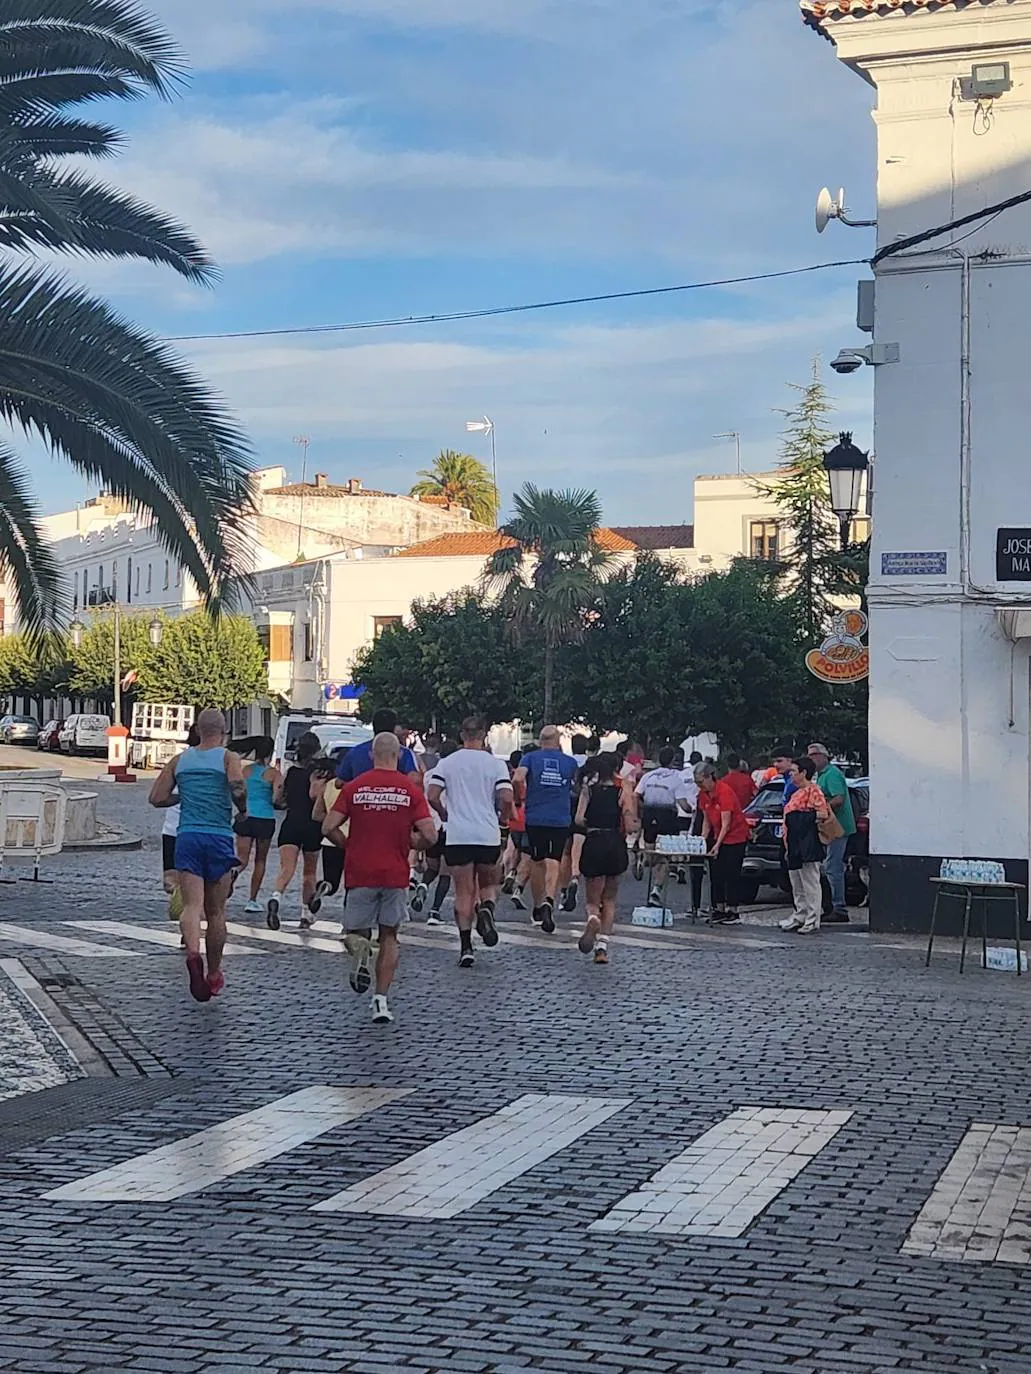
[(728, 832), (739, 780), (384, 808)]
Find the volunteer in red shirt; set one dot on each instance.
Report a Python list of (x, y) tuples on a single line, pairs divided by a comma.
[(727, 832), (739, 780), (387, 812)]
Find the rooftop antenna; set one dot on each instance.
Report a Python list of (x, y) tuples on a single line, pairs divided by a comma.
[(733, 434), (827, 208), (303, 442)]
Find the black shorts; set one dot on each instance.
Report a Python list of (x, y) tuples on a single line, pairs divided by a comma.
[(547, 842), (604, 855), (462, 855), (436, 851), (254, 828), (168, 853), (660, 820), (306, 835), (521, 841)]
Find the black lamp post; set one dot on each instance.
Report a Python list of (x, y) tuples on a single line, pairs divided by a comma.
[(846, 468)]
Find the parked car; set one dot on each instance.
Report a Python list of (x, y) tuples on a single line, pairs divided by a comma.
[(764, 856), (19, 730), (84, 735), (47, 739)]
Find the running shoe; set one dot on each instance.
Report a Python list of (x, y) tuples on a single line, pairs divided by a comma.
[(508, 886), (307, 920), (216, 982), (434, 919), (175, 904), (272, 913), (359, 947), (518, 900), (601, 955), (199, 989), (485, 927), (467, 959), (548, 916), (419, 897), (321, 888), (810, 928), (791, 923), (570, 895), (381, 1013), (586, 941), (253, 909), (727, 918), (655, 897)]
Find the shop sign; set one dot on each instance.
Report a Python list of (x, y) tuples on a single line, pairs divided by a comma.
[(842, 657)]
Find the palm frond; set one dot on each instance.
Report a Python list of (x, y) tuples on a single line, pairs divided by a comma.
[(55, 88), (25, 558), (58, 135)]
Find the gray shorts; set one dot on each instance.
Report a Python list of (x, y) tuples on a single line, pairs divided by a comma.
[(369, 907)]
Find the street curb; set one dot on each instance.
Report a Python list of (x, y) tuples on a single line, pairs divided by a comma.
[(85, 846)]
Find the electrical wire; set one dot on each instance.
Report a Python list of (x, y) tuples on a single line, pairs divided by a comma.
[(990, 211), (518, 309)]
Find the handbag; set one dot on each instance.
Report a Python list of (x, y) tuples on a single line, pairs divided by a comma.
[(830, 829)]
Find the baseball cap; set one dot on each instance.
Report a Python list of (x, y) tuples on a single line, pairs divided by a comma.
[(818, 749)]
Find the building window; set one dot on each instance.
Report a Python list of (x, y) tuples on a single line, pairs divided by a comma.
[(128, 580), (178, 575), (309, 642), (266, 720), (165, 587), (265, 639), (150, 577), (138, 571), (75, 594), (114, 580), (98, 600), (385, 622), (764, 539), (281, 649)]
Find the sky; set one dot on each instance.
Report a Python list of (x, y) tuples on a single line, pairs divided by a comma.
[(351, 160)]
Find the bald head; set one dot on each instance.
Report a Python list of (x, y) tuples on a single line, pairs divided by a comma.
[(551, 738), (386, 750), (211, 726)]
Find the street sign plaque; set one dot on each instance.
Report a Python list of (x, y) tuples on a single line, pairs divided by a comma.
[(1013, 555)]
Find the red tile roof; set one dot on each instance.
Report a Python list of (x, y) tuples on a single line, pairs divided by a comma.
[(327, 489), (816, 13), (657, 536), (482, 543)]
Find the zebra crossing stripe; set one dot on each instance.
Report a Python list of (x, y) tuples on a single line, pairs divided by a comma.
[(453, 1174), (243, 1142), (285, 937), (64, 944), (980, 1208), (729, 1176), (166, 936)]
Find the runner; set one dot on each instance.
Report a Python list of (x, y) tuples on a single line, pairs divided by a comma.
[(169, 832), (384, 809), (435, 865), (547, 775), (663, 797), (359, 759), (299, 833), (479, 791), (207, 781), (254, 832), (324, 791), (585, 751), (606, 814)]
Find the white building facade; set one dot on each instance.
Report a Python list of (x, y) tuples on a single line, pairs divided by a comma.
[(950, 590)]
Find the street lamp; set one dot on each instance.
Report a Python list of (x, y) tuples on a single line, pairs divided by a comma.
[(846, 467), (156, 630), (75, 632), (486, 426)]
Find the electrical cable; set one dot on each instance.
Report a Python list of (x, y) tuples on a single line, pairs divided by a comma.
[(518, 309), (990, 211)]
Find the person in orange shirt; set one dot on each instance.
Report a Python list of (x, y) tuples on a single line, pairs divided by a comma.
[(740, 780), (726, 831)]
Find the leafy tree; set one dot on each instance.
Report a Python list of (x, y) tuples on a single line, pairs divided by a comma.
[(549, 575), (464, 481), (456, 658), (204, 662), (105, 396), (92, 664)]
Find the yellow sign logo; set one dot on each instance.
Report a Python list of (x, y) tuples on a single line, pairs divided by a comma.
[(842, 657)]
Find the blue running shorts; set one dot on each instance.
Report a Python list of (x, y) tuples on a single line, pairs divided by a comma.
[(206, 856)]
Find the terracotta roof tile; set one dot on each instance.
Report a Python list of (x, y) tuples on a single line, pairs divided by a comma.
[(307, 489), (482, 543), (657, 536), (817, 13)]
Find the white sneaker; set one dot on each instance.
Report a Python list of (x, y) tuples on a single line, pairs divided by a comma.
[(434, 919), (810, 928), (381, 1013), (253, 909), (791, 923)]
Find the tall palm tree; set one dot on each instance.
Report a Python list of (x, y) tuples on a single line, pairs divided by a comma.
[(547, 575), (464, 481), (114, 402)]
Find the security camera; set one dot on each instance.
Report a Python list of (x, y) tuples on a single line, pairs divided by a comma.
[(850, 360)]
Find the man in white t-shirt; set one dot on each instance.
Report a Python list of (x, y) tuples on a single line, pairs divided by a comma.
[(479, 802)]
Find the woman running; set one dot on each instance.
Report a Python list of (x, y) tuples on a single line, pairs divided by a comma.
[(324, 791), (254, 832), (607, 813), (299, 834)]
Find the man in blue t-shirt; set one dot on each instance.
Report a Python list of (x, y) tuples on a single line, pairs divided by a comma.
[(359, 760), (547, 776)]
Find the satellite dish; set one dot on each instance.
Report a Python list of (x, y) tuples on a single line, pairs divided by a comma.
[(827, 208)]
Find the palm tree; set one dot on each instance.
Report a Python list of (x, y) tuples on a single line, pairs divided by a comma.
[(547, 573), (463, 481), (114, 402)]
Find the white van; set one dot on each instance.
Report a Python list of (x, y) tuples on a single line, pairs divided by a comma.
[(334, 733), (84, 735)]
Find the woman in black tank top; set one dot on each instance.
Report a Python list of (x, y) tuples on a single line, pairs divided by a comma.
[(604, 814), (299, 834)]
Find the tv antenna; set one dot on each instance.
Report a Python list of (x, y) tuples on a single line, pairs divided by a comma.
[(827, 208)]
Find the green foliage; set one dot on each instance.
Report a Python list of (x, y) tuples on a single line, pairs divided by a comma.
[(464, 481), (205, 662), (106, 397), (455, 659), (92, 664)]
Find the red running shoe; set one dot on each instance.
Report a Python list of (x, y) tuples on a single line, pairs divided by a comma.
[(216, 982), (199, 989)]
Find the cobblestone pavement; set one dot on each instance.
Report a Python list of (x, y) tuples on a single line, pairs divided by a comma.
[(727, 1150)]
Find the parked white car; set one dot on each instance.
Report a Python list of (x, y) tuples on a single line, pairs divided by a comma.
[(84, 735), (334, 732)]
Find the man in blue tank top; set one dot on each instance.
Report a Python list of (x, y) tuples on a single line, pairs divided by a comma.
[(206, 782), (547, 777)]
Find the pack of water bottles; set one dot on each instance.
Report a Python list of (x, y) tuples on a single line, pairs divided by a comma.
[(680, 844), (983, 872)]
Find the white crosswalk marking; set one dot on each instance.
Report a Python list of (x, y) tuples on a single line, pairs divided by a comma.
[(64, 944), (452, 1175), (729, 1176), (244, 1142), (168, 937), (286, 937), (980, 1209)]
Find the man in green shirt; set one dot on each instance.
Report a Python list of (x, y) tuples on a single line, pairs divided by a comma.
[(832, 784)]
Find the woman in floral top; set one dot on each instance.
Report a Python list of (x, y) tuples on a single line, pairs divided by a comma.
[(803, 811)]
